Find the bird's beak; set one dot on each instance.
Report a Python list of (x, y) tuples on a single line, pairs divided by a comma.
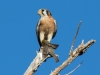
[(39, 12)]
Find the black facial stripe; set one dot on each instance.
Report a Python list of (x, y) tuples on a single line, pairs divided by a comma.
[(48, 12), (42, 11)]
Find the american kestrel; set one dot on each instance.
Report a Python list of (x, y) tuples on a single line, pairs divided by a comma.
[(46, 28)]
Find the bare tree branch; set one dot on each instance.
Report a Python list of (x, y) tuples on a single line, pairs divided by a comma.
[(46, 51), (37, 61), (78, 51)]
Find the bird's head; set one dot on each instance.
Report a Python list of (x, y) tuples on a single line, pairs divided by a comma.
[(44, 12)]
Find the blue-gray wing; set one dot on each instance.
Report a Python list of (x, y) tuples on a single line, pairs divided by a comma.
[(38, 33), (55, 31)]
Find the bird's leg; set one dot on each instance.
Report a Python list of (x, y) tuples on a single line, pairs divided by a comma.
[(41, 36), (50, 36)]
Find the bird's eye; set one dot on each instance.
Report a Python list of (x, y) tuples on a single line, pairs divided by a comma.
[(42, 10)]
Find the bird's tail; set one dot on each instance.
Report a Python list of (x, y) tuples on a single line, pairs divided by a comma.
[(54, 46), (56, 58)]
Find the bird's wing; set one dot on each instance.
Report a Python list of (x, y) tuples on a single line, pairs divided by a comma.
[(38, 32), (55, 31), (51, 52)]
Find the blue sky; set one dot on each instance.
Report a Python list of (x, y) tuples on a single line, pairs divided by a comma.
[(18, 41)]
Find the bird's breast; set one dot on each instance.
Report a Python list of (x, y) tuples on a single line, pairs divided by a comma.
[(46, 26)]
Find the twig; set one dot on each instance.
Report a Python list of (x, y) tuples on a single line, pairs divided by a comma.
[(72, 47), (75, 68), (74, 39)]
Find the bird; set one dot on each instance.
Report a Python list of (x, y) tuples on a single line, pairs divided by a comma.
[(46, 28), (48, 49), (47, 43)]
